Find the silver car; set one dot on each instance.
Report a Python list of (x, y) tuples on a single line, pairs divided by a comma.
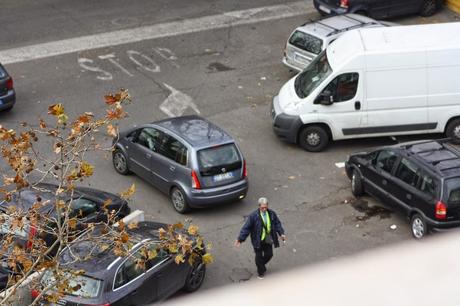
[(308, 40), (191, 159)]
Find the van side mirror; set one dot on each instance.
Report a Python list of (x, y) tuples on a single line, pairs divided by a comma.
[(324, 98)]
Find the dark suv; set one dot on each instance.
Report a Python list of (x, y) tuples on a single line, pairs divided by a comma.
[(377, 8), (420, 178)]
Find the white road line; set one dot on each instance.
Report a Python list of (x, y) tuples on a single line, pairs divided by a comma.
[(120, 37), (177, 102)]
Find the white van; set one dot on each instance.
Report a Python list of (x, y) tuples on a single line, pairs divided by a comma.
[(375, 82)]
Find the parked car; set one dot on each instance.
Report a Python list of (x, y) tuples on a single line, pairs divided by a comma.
[(308, 40), (420, 178), (375, 82), (7, 93), (377, 8), (122, 281), (189, 158), (87, 204)]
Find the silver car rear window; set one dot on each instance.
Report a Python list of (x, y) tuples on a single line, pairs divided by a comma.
[(306, 42), (210, 160)]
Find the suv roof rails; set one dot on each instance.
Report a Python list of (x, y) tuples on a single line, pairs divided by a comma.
[(440, 141)]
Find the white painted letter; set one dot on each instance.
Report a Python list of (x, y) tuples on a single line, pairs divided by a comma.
[(131, 54), (83, 62), (111, 58)]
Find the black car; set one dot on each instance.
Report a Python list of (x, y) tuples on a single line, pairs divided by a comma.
[(117, 281), (420, 178), (378, 9), (7, 93), (87, 204)]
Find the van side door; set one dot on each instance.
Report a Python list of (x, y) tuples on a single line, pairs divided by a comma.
[(340, 103)]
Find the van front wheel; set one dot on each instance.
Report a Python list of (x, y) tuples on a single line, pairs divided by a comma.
[(313, 138), (453, 131)]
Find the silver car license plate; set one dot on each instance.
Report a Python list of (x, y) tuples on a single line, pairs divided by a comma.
[(324, 9), (223, 176)]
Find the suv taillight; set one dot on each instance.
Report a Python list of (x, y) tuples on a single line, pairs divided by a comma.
[(9, 84), (32, 233), (344, 3), (440, 211), (245, 170), (195, 181)]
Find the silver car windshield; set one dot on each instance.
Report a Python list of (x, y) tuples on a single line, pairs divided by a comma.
[(318, 70)]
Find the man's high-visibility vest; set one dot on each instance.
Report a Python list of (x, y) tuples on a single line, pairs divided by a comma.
[(267, 222)]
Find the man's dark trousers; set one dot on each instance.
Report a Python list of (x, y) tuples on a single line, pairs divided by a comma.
[(263, 256)]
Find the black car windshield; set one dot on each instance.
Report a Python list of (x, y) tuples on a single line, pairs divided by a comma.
[(312, 76), (82, 286), (306, 42), (452, 191), (211, 160)]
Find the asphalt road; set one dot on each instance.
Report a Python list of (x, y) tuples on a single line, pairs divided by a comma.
[(228, 75)]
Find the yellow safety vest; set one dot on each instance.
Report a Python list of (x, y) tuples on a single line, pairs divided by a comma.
[(268, 225)]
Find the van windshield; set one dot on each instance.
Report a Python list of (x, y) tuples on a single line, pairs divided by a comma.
[(312, 76)]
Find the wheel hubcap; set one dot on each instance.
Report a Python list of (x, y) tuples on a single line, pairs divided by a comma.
[(457, 132), (417, 228), (119, 162), (353, 182), (178, 200), (313, 139)]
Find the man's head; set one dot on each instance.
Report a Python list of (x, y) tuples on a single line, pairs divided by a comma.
[(263, 204)]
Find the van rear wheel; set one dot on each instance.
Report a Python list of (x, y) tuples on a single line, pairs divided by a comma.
[(453, 131), (313, 138)]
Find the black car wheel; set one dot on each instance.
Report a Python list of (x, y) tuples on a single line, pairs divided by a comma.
[(313, 138), (179, 201), (195, 278), (428, 8), (356, 184), (453, 131), (119, 162), (418, 226)]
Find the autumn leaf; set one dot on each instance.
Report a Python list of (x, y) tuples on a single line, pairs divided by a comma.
[(72, 223), (179, 259), (42, 124), (193, 230), (152, 254), (110, 99), (207, 259), (112, 130), (128, 192), (86, 169), (116, 113), (124, 237), (56, 109), (107, 203), (62, 118), (132, 225)]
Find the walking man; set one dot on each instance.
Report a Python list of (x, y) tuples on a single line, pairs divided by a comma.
[(264, 226)]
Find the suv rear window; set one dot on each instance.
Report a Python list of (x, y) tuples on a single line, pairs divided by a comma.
[(306, 42), (86, 287), (452, 188), (212, 160)]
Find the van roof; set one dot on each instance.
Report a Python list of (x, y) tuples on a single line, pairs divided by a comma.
[(391, 40)]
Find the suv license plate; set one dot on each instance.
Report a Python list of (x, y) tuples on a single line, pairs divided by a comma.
[(223, 176), (325, 9)]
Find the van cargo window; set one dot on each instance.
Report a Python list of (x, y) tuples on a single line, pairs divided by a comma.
[(212, 160), (306, 42), (313, 75)]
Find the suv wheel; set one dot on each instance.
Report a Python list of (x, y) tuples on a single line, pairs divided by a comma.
[(453, 131), (119, 162), (356, 184), (179, 201), (313, 138), (418, 226), (428, 8), (196, 277)]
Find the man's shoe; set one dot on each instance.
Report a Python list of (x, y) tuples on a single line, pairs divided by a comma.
[(260, 276)]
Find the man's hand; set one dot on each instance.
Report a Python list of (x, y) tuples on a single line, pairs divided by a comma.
[(237, 243), (283, 237)]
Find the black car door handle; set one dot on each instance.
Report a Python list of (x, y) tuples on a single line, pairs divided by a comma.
[(148, 155), (172, 168), (409, 196), (357, 105), (384, 182)]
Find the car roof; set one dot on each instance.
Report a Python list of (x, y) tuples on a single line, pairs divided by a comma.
[(100, 261), (338, 24), (438, 156), (197, 131)]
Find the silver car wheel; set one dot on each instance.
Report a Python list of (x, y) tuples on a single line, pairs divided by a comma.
[(178, 200), (353, 182), (418, 228), (457, 131), (119, 161), (313, 139)]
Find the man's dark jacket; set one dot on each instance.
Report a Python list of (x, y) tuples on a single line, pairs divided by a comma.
[(254, 227)]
